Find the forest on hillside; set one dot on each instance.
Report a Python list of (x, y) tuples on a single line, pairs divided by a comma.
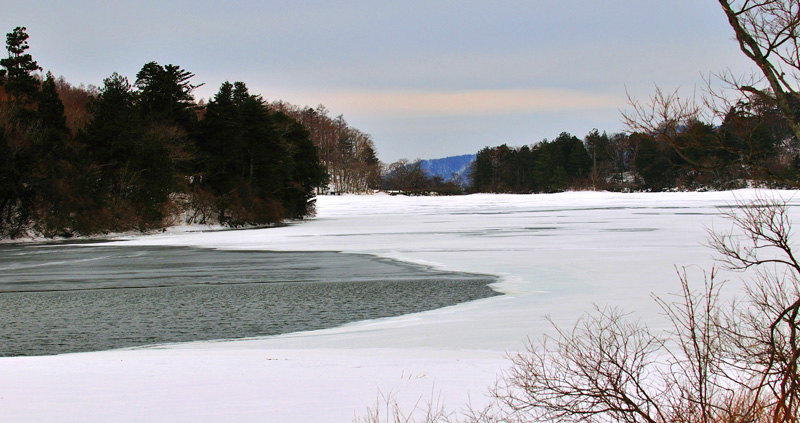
[(143, 154)]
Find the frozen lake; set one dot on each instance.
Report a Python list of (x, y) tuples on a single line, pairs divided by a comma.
[(554, 255), (60, 298)]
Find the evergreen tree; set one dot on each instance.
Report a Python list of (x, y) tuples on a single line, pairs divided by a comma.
[(165, 94), (481, 170), (654, 165), (114, 128), (12, 190), (306, 171), (259, 164), (21, 85), (135, 169), (568, 152), (49, 106), (55, 160), (544, 167), (20, 134), (17, 162), (597, 146)]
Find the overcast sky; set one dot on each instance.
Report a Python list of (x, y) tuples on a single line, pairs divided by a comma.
[(426, 79)]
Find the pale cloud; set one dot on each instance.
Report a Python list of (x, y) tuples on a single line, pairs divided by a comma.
[(471, 102), (424, 78)]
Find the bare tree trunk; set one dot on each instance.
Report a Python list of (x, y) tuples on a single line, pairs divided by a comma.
[(767, 35)]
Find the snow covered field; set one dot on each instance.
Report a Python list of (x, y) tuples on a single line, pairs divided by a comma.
[(556, 255)]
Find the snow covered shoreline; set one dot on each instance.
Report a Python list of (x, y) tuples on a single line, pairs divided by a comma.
[(556, 255)]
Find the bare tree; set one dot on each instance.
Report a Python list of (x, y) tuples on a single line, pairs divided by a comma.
[(743, 105), (663, 114), (764, 333), (767, 33)]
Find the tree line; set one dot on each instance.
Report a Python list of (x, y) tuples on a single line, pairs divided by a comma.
[(671, 145), (141, 155), (752, 144), (548, 166)]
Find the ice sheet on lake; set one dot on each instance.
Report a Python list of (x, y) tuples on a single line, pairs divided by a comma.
[(556, 255)]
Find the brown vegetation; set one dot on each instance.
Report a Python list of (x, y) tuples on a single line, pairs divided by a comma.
[(347, 153)]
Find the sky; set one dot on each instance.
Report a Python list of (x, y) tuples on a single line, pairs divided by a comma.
[(426, 79)]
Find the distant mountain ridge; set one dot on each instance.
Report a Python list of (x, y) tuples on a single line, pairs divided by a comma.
[(449, 167)]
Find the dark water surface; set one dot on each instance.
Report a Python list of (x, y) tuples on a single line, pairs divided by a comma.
[(58, 298)]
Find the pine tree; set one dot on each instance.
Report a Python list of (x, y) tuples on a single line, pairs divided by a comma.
[(21, 85), (260, 165), (136, 173), (49, 106), (165, 94)]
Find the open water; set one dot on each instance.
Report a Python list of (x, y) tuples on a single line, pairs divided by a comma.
[(60, 298)]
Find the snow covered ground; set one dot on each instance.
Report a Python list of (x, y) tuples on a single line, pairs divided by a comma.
[(556, 255)]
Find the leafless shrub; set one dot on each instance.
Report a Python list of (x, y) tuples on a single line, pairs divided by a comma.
[(601, 366), (388, 410)]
